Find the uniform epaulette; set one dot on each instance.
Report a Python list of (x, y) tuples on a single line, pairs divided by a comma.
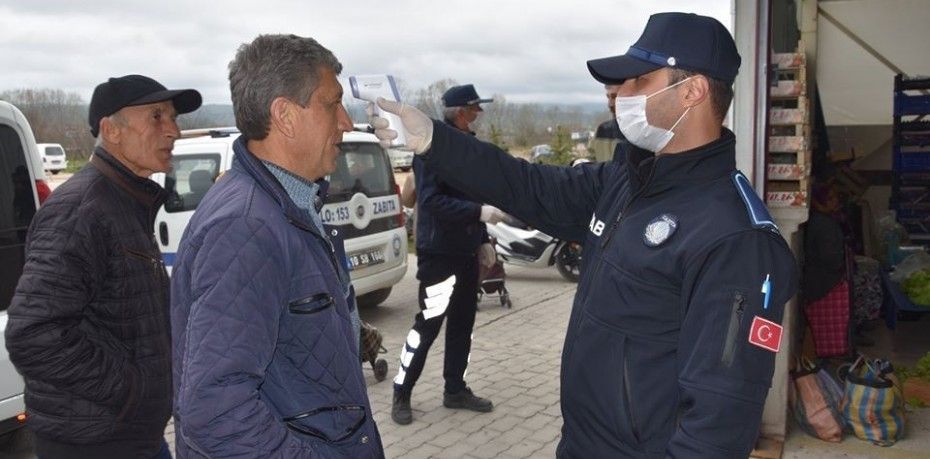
[(759, 215)]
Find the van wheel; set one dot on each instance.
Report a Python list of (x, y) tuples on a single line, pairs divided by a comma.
[(55, 172), (372, 299)]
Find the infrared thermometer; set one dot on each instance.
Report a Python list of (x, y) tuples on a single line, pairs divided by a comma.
[(370, 88)]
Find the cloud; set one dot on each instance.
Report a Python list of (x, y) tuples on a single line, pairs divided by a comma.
[(528, 51)]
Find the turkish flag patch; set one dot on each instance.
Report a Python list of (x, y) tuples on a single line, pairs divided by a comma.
[(765, 334)]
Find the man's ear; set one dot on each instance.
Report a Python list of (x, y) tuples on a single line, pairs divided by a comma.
[(284, 116), (110, 131), (696, 90)]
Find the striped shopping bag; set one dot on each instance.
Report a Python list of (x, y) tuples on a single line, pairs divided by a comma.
[(873, 404)]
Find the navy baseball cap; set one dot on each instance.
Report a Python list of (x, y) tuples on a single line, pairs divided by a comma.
[(130, 90), (678, 40), (462, 96)]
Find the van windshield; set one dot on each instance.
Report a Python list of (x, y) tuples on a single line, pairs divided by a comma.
[(361, 168), (54, 151)]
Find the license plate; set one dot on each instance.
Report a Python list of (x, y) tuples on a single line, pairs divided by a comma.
[(366, 258)]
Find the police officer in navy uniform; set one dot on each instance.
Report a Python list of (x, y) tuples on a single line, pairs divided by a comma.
[(450, 230), (671, 344)]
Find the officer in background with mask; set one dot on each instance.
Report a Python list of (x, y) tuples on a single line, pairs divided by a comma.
[(671, 344), (608, 135)]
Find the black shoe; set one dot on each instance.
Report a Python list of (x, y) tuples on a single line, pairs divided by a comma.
[(465, 399), (400, 409)]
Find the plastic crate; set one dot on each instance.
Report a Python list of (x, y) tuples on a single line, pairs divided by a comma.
[(905, 105), (912, 161)]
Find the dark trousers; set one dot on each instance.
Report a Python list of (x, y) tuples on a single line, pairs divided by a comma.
[(440, 297)]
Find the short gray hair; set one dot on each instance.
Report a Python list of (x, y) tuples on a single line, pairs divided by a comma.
[(274, 66), (116, 118), (450, 113)]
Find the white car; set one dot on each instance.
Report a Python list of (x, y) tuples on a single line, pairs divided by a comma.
[(401, 159), (22, 190), (363, 204), (53, 157)]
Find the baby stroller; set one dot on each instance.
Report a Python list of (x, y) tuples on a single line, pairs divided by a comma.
[(369, 348), (491, 281)]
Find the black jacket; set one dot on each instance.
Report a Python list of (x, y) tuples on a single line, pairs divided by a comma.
[(824, 256), (609, 130), (88, 325), (657, 360), (447, 219)]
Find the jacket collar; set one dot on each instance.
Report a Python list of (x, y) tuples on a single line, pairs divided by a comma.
[(251, 165), (147, 192), (651, 174)]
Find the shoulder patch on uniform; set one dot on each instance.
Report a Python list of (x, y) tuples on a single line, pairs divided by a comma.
[(759, 215)]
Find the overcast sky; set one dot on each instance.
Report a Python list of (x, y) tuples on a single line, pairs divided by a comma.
[(529, 51)]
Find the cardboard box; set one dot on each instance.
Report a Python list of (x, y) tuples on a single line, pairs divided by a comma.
[(786, 199), (786, 171)]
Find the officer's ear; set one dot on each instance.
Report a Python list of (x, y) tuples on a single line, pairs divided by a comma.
[(696, 91)]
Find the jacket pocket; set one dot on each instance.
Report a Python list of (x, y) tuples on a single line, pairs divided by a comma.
[(738, 305), (595, 392), (311, 304), (626, 398), (332, 424)]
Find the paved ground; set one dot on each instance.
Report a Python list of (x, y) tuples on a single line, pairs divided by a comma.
[(514, 362)]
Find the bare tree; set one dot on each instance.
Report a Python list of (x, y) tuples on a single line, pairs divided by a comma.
[(428, 99), (56, 116)]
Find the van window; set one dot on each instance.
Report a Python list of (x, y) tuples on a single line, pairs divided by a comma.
[(362, 167), (190, 178), (54, 151), (17, 207)]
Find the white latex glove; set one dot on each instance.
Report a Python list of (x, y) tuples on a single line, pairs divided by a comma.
[(487, 256), (491, 214), (418, 126)]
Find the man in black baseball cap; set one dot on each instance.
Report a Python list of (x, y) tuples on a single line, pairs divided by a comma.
[(671, 343), (93, 297), (131, 90), (134, 120)]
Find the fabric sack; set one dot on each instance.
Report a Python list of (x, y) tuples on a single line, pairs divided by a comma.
[(815, 400), (873, 403)]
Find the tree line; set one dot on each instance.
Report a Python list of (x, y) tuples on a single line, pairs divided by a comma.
[(57, 116)]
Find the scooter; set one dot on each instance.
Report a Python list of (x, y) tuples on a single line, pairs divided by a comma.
[(520, 245)]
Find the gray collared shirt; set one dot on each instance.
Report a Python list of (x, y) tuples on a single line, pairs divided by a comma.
[(302, 191)]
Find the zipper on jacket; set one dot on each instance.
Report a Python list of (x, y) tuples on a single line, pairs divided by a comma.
[(613, 228), (325, 300), (156, 262), (627, 398), (736, 319), (622, 214)]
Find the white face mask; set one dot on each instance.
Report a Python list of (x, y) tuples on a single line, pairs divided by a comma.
[(631, 117)]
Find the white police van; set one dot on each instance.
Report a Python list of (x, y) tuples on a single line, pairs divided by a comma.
[(363, 204), (22, 190)]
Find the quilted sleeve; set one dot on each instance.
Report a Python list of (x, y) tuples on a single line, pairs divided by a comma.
[(65, 260)]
